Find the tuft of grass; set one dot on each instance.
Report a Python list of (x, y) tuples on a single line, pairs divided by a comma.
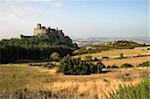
[(145, 64), (126, 65), (140, 91)]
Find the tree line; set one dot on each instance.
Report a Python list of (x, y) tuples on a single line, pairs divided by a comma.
[(34, 48)]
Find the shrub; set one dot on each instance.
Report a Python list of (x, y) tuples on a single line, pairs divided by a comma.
[(88, 58), (76, 66), (105, 57), (140, 91), (48, 65), (126, 65), (55, 56), (121, 55), (35, 64), (145, 64), (95, 59), (114, 66)]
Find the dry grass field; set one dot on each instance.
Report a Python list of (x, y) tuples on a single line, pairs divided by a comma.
[(113, 56), (134, 61), (19, 77), (116, 53)]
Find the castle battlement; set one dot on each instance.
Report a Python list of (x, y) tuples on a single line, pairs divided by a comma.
[(49, 32), (54, 33), (43, 30)]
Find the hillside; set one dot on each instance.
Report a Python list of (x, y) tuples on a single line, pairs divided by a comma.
[(37, 47)]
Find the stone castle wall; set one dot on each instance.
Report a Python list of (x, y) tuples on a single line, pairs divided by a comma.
[(54, 33), (39, 31)]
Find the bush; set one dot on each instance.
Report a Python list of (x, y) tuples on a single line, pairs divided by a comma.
[(140, 91), (48, 65), (55, 56), (114, 66), (76, 66), (36, 64), (145, 64), (88, 58), (105, 57), (121, 55), (126, 65), (95, 59)]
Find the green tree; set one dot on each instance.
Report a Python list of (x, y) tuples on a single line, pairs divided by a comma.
[(55, 56)]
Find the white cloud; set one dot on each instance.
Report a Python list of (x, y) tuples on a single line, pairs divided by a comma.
[(16, 9)]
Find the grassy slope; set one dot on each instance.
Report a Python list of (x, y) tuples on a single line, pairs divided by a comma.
[(112, 54)]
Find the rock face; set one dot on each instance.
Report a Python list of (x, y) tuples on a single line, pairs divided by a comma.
[(54, 33)]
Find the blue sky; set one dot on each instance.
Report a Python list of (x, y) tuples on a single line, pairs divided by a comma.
[(77, 18)]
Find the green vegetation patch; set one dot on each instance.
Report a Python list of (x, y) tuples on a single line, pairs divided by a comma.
[(34, 48), (140, 91), (126, 65), (145, 64), (76, 66)]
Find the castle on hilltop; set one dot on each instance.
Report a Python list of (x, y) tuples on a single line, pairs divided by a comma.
[(39, 30), (49, 32), (42, 30)]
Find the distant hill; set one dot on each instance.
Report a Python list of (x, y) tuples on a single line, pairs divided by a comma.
[(120, 44), (83, 42)]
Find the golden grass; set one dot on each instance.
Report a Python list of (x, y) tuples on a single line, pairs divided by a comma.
[(93, 86), (15, 77), (116, 53), (134, 61)]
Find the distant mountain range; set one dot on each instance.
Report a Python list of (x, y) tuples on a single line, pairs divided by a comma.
[(97, 40)]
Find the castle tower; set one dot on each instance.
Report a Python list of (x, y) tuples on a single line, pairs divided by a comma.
[(38, 26), (39, 30)]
